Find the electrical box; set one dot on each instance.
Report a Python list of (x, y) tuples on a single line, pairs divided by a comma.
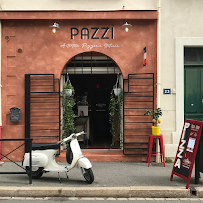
[(14, 114)]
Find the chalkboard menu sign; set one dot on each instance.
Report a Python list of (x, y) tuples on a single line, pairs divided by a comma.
[(187, 149)]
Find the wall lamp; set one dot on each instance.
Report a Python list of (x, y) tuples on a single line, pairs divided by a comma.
[(126, 27), (54, 27)]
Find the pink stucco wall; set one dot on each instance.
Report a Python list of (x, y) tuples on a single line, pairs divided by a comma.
[(42, 52)]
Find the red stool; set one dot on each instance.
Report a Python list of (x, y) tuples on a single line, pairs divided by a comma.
[(150, 145)]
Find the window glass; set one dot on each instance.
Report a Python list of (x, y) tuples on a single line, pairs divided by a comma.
[(201, 55), (191, 55)]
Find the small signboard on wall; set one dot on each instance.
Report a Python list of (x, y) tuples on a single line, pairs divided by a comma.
[(167, 91), (187, 150)]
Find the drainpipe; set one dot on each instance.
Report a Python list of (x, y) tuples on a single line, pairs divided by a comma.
[(159, 54), (0, 100), (158, 68)]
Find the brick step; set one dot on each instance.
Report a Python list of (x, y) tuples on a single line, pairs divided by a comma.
[(106, 156)]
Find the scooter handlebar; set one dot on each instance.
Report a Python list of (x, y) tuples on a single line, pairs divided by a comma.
[(71, 137), (80, 133)]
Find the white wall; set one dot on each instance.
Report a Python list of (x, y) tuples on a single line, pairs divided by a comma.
[(181, 25), (77, 4)]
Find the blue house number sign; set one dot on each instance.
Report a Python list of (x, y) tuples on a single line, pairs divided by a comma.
[(167, 91)]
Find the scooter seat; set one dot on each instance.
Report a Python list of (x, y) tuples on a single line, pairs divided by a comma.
[(44, 146)]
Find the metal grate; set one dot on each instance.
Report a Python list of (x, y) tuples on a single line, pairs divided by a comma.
[(42, 108), (138, 96), (91, 63), (28, 144)]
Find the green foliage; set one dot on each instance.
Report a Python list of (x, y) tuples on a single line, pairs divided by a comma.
[(155, 115), (115, 106), (68, 86), (68, 115), (116, 86), (168, 160)]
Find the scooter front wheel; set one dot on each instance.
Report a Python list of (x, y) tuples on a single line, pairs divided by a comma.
[(35, 174), (88, 175)]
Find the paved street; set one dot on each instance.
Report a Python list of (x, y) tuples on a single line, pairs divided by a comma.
[(112, 179), (111, 174), (103, 200)]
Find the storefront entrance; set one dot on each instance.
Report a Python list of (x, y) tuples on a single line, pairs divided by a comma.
[(44, 53), (95, 91), (93, 76)]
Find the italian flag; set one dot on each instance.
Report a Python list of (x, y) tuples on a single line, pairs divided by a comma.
[(145, 56)]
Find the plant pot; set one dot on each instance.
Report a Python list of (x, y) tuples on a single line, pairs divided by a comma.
[(117, 91), (68, 92), (155, 130)]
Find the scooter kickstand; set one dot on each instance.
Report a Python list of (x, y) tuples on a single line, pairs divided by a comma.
[(59, 177), (66, 174)]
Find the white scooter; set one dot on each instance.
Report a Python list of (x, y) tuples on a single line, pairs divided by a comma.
[(43, 159)]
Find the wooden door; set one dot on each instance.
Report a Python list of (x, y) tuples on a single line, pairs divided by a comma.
[(193, 92)]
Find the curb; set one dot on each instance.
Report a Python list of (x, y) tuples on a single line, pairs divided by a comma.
[(122, 192), (199, 192)]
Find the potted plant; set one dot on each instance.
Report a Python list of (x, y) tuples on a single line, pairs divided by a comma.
[(155, 119), (115, 106), (117, 89), (68, 89), (68, 114)]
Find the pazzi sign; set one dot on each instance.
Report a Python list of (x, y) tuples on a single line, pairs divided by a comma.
[(93, 33)]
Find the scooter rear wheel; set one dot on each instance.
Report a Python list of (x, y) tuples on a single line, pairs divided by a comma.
[(88, 175), (35, 174)]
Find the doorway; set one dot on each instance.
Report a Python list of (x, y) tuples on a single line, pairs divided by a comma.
[(93, 76), (193, 93), (193, 86), (96, 88)]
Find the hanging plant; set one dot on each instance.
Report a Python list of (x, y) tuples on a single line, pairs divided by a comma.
[(68, 89), (115, 106), (117, 90), (68, 102)]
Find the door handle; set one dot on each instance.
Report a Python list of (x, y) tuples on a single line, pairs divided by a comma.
[(192, 104)]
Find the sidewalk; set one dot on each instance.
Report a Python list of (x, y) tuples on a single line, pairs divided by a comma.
[(112, 179)]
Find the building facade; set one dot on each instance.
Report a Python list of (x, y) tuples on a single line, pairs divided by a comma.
[(93, 30), (179, 30)]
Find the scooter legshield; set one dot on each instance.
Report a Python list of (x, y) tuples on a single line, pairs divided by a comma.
[(38, 159), (84, 163)]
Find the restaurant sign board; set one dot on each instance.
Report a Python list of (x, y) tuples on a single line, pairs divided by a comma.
[(187, 150)]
